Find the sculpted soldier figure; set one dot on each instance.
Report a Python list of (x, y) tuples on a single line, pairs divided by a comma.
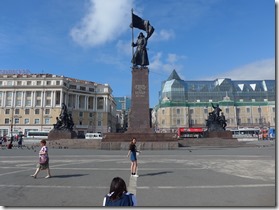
[(140, 56)]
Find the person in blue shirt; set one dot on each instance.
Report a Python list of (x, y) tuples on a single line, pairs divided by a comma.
[(118, 194)]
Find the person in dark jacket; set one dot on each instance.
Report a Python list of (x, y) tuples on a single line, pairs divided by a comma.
[(118, 194)]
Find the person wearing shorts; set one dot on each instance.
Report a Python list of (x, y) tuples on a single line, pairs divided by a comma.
[(133, 157)]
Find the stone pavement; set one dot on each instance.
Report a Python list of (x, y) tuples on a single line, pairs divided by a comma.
[(185, 177)]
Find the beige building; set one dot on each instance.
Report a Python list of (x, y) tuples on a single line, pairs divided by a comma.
[(249, 103), (33, 101)]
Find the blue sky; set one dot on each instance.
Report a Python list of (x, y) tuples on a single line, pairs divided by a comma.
[(91, 39)]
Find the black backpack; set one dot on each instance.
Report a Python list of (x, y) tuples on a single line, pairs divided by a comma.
[(124, 200)]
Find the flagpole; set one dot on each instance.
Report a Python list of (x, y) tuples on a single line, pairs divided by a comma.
[(132, 32)]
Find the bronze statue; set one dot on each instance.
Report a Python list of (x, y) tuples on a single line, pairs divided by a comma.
[(64, 121), (216, 111), (140, 56)]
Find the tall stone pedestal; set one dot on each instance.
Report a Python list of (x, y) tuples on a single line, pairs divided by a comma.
[(139, 116)]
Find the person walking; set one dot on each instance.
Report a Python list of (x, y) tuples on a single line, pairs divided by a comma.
[(44, 160), (133, 157), (118, 194)]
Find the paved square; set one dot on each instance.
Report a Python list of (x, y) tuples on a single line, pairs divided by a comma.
[(186, 177)]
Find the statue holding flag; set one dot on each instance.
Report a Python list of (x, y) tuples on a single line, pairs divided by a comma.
[(140, 56)]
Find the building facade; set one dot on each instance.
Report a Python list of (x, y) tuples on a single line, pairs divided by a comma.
[(123, 106), (33, 101), (249, 103)]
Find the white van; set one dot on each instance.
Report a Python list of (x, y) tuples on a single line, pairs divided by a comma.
[(93, 136)]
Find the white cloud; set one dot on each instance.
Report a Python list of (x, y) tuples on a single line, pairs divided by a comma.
[(168, 64), (105, 21), (162, 35), (259, 70), (124, 47)]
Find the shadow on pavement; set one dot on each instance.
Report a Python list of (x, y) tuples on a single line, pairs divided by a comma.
[(68, 175), (155, 174)]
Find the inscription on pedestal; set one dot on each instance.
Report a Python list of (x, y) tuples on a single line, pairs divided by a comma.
[(139, 117), (140, 90)]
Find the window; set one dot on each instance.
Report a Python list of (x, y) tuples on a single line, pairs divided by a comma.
[(57, 98), (29, 82), (81, 114), (91, 102), (177, 111), (18, 98), (57, 82), (37, 121), (39, 82), (48, 102), (1, 94), (248, 110), (48, 98), (28, 98), (16, 111), (178, 121), (48, 82), (7, 120), (73, 87), (100, 103), (82, 88), (38, 98), (7, 111), (27, 111), (90, 114), (37, 111), (26, 121), (16, 120), (9, 96), (227, 110), (82, 102), (237, 110), (47, 121), (47, 111)]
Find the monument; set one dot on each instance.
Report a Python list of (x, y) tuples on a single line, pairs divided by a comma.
[(139, 123), (216, 124), (63, 129)]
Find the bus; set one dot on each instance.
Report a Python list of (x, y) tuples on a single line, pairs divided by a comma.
[(247, 133), (37, 134), (93, 136), (194, 132)]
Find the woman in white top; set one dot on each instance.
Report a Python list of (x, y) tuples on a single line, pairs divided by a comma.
[(43, 161)]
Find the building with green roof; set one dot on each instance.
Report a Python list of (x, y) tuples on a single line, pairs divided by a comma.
[(245, 103)]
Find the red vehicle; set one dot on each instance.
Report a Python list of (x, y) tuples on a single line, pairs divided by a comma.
[(194, 132)]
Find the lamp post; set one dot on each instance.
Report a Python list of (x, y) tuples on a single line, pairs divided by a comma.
[(12, 124), (260, 114)]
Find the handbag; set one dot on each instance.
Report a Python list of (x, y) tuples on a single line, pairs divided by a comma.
[(43, 159)]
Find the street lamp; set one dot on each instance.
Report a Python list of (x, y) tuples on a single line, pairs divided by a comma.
[(260, 113)]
